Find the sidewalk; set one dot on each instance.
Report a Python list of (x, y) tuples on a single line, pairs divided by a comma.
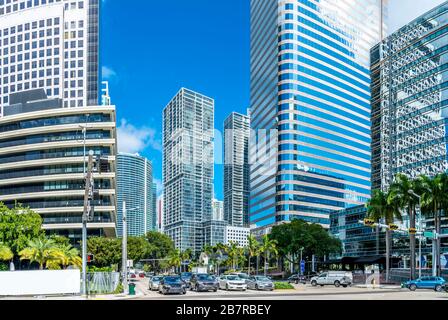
[(381, 286)]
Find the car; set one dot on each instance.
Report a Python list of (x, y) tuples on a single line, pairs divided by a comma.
[(435, 283), (204, 282), (172, 284), (186, 277), (141, 275), (154, 283), (336, 278), (260, 283), (296, 278), (232, 282)]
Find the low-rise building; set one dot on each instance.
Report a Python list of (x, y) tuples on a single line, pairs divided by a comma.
[(237, 234)]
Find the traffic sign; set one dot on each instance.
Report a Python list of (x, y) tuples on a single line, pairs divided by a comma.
[(302, 266), (413, 231), (428, 234)]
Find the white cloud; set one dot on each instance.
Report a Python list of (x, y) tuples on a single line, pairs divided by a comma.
[(135, 140), (108, 73)]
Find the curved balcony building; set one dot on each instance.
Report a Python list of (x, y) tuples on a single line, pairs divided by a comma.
[(42, 162)]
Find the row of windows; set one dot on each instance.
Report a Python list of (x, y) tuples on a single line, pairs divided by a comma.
[(6, 7)]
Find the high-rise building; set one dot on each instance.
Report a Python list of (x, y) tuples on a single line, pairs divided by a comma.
[(236, 169), (239, 235), (410, 99), (42, 162), (50, 45), (218, 210), (135, 187), (188, 133), (160, 222), (310, 107), (410, 107), (152, 222)]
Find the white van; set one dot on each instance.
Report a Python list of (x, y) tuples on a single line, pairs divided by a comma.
[(336, 278)]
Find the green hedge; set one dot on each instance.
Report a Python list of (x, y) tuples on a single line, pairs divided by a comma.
[(283, 286)]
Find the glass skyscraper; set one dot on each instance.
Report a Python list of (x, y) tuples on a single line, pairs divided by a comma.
[(310, 101), (51, 45), (236, 169), (410, 100), (135, 186), (188, 155)]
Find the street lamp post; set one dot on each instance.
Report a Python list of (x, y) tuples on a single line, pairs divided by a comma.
[(124, 253), (420, 230)]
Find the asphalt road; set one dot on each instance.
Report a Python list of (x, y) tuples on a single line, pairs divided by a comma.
[(301, 292)]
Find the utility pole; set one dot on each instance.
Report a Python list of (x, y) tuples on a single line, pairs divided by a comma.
[(88, 195), (125, 250)]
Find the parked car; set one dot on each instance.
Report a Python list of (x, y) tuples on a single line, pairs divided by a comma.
[(296, 278), (154, 283), (141, 274), (204, 282), (260, 283), (336, 278), (435, 283), (172, 284), (232, 282), (186, 277), (445, 287)]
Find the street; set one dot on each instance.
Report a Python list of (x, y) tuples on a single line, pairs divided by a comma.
[(301, 292)]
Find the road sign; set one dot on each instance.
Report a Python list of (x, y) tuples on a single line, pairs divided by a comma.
[(302, 266), (428, 234)]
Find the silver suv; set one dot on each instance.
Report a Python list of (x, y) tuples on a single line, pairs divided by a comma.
[(336, 278)]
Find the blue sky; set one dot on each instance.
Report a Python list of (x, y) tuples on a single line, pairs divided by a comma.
[(150, 49)]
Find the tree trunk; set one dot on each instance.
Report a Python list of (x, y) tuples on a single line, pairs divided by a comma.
[(258, 261), (388, 245), (412, 242), (248, 267), (266, 263)]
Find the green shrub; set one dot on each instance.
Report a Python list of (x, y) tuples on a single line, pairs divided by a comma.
[(4, 267), (283, 286)]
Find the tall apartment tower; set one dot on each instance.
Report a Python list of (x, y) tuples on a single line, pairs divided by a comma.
[(410, 99), (236, 169), (310, 102), (152, 221), (135, 186), (188, 133), (50, 45)]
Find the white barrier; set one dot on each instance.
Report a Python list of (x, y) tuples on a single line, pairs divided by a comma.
[(27, 283)]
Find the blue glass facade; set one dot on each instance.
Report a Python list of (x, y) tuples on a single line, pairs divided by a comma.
[(310, 97), (135, 186)]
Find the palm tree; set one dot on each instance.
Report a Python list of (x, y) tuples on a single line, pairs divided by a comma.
[(70, 256), (219, 250), (378, 208), (403, 193), (5, 253), (268, 246), (233, 252), (43, 251), (252, 249), (175, 259), (434, 201)]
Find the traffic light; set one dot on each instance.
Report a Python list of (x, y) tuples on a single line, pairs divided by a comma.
[(90, 258), (103, 165), (369, 222), (393, 227), (412, 231)]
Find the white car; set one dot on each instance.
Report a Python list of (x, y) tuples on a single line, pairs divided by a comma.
[(232, 282), (335, 278)]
